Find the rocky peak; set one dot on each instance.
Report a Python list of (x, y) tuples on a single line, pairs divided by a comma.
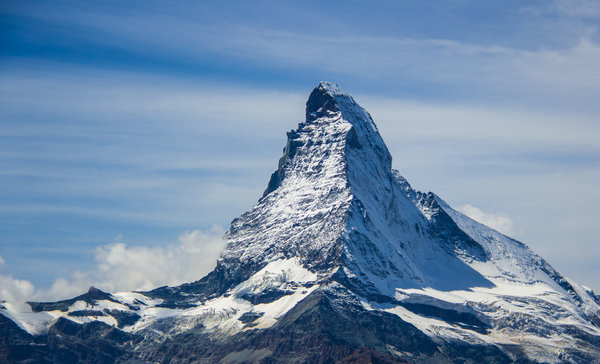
[(335, 127), (336, 205), (332, 161), (322, 100)]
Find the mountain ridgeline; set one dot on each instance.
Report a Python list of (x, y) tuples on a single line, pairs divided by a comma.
[(340, 261)]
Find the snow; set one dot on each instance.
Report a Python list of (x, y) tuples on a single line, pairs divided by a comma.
[(276, 274), (219, 315), (333, 89), (35, 323)]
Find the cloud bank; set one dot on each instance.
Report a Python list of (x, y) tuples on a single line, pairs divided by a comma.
[(119, 267)]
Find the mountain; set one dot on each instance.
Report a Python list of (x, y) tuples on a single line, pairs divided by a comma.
[(340, 260)]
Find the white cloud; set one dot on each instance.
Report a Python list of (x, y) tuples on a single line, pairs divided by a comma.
[(565, 72), (497, 220), (577, 8), (15, 291), (150, 136), (427, 121), (124, 268)]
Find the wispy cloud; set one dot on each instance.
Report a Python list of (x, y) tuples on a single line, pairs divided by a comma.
[(576, 8), (553, 74), (496, 220), (120, 136), (443, 62), (481, 123)]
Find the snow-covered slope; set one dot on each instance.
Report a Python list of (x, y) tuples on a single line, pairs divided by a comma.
[(337, 231)]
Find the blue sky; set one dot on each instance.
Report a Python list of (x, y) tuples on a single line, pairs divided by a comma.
[(141, 130)]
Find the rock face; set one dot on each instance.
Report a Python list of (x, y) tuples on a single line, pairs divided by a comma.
[(339, 261)]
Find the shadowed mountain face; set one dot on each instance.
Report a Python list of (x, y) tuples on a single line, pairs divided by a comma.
[(339, 261)]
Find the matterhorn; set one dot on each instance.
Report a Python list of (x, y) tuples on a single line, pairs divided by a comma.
[(339, 261)]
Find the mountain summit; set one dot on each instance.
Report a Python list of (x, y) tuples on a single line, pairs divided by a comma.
[(340, 260)]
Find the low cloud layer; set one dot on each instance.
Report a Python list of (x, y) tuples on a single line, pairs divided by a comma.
[(120, 267)]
